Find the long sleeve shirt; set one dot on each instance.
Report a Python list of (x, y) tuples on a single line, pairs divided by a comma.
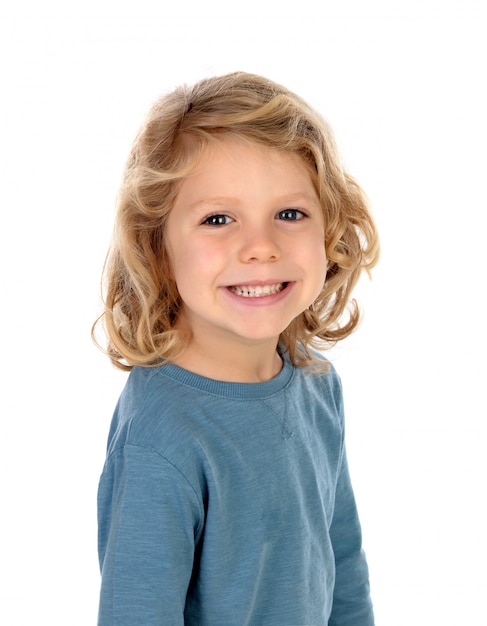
[(230, 504)]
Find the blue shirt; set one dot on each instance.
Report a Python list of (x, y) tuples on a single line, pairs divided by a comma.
[(229, 504)]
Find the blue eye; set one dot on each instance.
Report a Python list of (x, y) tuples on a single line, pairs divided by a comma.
[(217, 220), (290, 215)]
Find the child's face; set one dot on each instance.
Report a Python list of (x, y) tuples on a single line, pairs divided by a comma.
[(246, 243)]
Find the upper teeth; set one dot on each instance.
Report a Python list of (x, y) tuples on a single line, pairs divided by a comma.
[(247, 291)]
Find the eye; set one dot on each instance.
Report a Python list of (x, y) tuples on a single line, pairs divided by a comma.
[(290, 215), (217, 220)]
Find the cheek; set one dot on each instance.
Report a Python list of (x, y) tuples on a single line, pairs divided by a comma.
[(318, 261), (323, 260), (183, 270), (315, 253), (194, 266)]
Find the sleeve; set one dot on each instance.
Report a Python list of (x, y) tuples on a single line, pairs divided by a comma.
[(149, 517), (352, 605)]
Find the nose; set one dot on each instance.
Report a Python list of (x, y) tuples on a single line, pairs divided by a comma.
[(259, 244)]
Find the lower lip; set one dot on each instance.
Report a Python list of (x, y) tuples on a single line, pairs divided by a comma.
[(273, 298)]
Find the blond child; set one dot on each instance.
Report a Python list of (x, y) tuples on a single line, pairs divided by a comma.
[(225, 498)]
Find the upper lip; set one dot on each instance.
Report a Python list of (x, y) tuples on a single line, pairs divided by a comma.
[(257, 283)]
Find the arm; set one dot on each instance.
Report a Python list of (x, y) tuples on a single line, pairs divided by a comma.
[(352, 605), (148, 517)]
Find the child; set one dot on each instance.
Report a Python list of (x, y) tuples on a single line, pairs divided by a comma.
[(225, 498)]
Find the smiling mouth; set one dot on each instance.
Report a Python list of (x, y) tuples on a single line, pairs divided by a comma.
[(257, 291)]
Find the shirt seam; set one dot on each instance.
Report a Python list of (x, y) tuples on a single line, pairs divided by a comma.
[(176, 468)]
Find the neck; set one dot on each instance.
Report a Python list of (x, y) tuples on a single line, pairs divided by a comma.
[(242, 363)]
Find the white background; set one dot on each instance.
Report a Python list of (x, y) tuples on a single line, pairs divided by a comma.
[(404, 86)]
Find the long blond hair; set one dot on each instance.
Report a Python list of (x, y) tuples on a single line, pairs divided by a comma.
[(141, 298)]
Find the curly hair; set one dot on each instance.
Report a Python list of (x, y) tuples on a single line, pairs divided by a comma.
[(141, 298)]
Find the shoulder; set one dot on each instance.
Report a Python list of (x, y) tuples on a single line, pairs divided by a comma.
[(321, 374), (155, 428), (319, 387), (150, 412)]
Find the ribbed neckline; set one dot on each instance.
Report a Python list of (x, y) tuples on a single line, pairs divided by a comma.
[(236, 391)]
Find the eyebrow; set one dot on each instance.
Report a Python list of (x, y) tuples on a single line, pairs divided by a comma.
[(290, 198)]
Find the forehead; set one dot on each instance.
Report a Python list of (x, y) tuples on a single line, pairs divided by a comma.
[(235, 165)]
